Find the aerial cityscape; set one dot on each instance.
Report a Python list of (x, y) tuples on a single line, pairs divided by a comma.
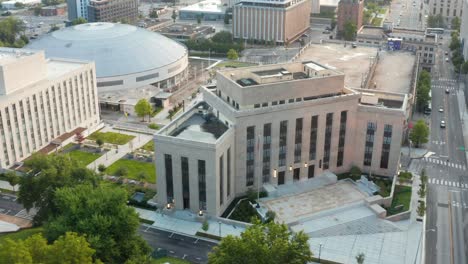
[(234, 131)]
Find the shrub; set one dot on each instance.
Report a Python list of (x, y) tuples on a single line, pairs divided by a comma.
[(270, 215), (153, 126), (101, 168), (421, 209), (355, 173), (205, 226), (122, 171)]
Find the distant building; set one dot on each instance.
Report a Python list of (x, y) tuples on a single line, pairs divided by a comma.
[(350, 10), (183, 32), (11, 4), (153, 24), (448, 9), (113, 11), (274, 125), (280, 22), (42, 100), (77, 8), (57, 10), (208, 10), (464, 30)]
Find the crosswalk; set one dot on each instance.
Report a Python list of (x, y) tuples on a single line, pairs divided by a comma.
[(445, 163), (442, 182), (443, 87), (447, 80), (435, 142)]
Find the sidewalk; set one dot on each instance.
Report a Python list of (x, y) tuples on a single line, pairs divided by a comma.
[(187, 223), (6, 186), (463, 114), (113, 155)]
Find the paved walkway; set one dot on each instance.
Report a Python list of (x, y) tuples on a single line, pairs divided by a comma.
[(113, 155), (187, 223)]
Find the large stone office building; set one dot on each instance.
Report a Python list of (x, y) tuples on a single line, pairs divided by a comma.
[(42, 99), (275, 124)]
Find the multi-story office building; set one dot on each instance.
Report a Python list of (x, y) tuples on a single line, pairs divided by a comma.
[(113, 11), (464, 30), (77, 8), (447, 8), (349, 10), (41, 99), (280, 22), (275, 124)]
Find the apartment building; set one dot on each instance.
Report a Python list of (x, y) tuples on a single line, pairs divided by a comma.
[(41, 99), (77, 8), (280, 22), (349, 10), (113, 11), (276, 124), (447, 8)]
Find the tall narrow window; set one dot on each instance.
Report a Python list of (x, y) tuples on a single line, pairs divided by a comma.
[(202, 184), (341, 142), (387, 141), (228, 169), (250, 155), (296, 174), (328, 137), (169, 181), (313, 138), (185, 182), (283, 143), (371, 128), (298, 141), (266, 152), (221, 180), (311, 171)]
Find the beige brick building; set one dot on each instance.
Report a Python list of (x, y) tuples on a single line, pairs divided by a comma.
[(270, 21), (349, 10), (113, 11), (41, 99), (276, 124)]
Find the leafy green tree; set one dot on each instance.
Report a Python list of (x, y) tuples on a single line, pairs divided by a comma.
[(174, 15), (226, 18), (419, 133), (423, 176), (101, 168), (143, 108), (121, 171), (350, 30), (79, 20), (47, 174), (12, 179), (69, 248), (232, 55), (456, 22), (19, 5), (423, 88), (11, 28), (360, 258), (421, 210), (333, 23), (100, 214), (205, 226), (153, 13), (222, 37), (100, 142), (435, 21), (455, 43), (261, 244)]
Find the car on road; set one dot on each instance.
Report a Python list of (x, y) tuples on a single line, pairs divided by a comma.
[(442, 124), (446, 59), (326, 32), (446, 53), (354, 45), (447, 91), (441, 109)]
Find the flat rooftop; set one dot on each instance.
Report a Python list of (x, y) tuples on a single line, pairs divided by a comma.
[(184, 29), (200, 126), (207, 6), (8, 55), (393, 72), (375, 31), (57, 68)]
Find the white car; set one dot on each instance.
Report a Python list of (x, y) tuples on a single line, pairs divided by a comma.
[(442, 124), (441, 109), (446, 59)]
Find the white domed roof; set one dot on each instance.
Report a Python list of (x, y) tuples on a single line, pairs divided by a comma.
[(117, 49)]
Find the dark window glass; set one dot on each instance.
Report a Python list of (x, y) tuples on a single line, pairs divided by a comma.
[(228, 172), (283, 143), (221, 180), (296, 174), (250, 155), (169, 180), (266, 152), (313, 138), (185, 182), (369, 145), (202, 184), (341, 141), (387, 141), (311, 171), (327, 145), (298, 141)]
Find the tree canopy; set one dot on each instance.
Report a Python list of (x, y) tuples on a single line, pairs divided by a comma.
[(261, 244), (419, 133), (422, 90), (10, 29), (435, 21), (79, 20), (350, 30), (67, 249), (222, 37), (47, 174), (456, 23), (232, 54), (143, 108), (102, 215)]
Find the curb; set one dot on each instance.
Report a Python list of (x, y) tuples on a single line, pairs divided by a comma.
[(180, 233)]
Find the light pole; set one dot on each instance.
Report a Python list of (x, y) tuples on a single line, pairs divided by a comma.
[(320, 252)]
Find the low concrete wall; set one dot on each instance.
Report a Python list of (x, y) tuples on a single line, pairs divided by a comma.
[(401, 216)]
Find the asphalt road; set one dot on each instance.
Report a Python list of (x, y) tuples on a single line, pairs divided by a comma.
[(183, 247), (405, 14), (447, 200)]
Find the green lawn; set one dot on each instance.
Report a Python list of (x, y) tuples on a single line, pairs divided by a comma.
[(134, 168), (22, 234), (149, 146), (401, 196), (233, 64), (83, 157), (111, 137), (170, 260), (382, 11), (377, 21)]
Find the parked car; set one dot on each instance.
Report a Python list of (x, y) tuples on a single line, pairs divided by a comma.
[(442, 124)]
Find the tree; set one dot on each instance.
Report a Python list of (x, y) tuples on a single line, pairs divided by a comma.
[(263, 243), (436, 21), (19, 5), (422, 90), (48, 173), (355, 173), (222, 37), (349, 31), (360, 258), (79, 20), (205, 226), (12, 179), (422, 191), (143, 108), (11, 28), (455, 43), (174, 15), (270, 215), (100, 142), (421, 210), (121, 171), (153, 13), (423, 176), (100, 214), (419, 133), (226, 17), (232, 55), (69, 248), (142, 176), (101, 168), (456, 22)]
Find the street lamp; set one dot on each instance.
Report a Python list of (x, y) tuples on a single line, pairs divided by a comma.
[(200, 213), (305, 164), (290, 168), (320, 252)]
